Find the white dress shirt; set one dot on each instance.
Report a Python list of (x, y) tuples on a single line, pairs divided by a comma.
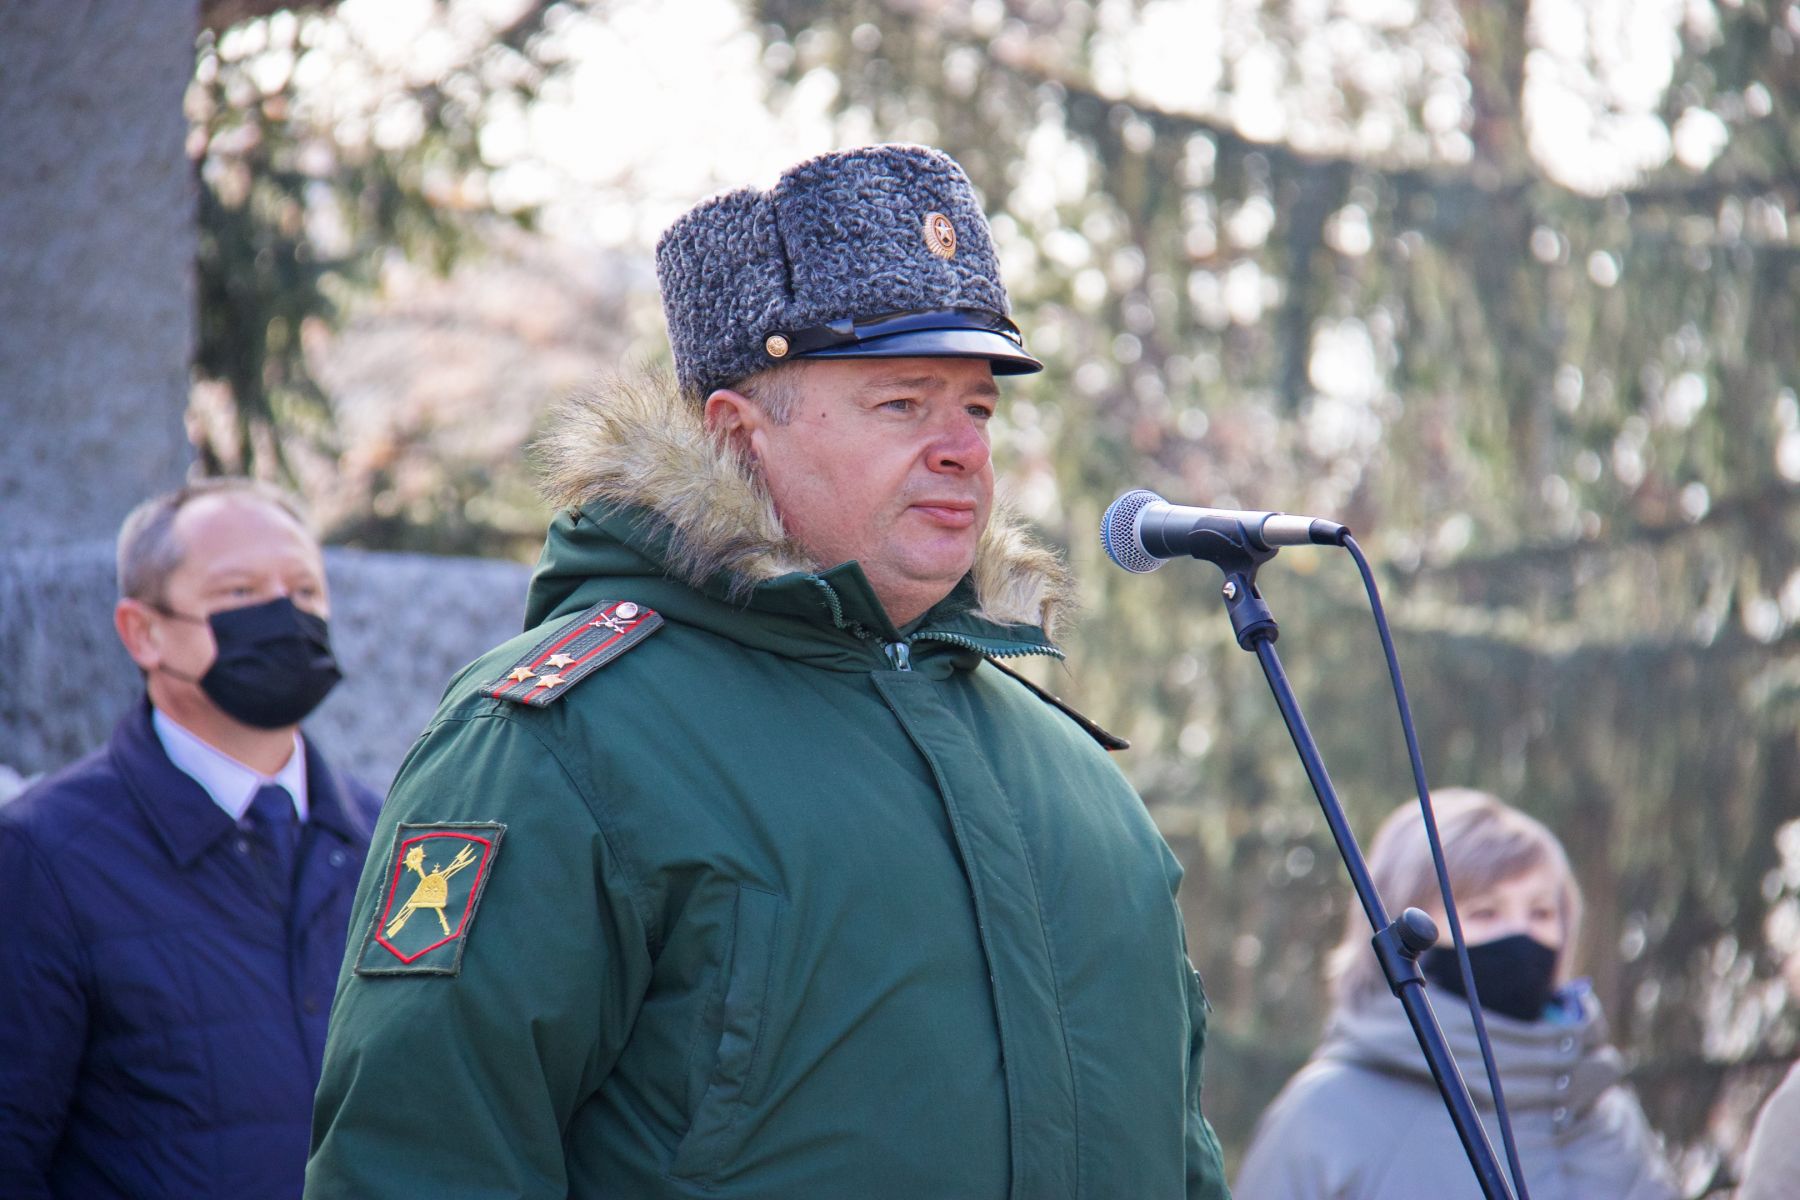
[(230, 783)]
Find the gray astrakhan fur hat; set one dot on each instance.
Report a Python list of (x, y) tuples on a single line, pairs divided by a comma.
[(876, 252)]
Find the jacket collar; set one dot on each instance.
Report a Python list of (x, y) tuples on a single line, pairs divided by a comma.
[(332, 806), (635, 459), (231, 784), (184, 817), (1543, 1064)]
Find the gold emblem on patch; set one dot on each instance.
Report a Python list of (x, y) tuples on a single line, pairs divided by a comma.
[(776, 345), (940, 235), (441, 869), (433, 889)]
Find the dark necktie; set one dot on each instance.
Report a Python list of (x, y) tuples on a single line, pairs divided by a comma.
[(272, 821)]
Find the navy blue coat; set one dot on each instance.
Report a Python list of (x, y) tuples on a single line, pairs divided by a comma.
[(162, 1005)]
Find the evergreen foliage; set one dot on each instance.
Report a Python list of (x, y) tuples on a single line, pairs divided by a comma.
[(1562, 420)]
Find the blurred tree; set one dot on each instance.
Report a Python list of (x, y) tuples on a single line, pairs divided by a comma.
[(1477, 279), (321, 161)]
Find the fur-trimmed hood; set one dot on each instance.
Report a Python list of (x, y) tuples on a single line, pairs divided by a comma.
[(636, 444)]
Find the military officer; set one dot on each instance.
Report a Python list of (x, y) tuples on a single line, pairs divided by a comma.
[(751, 870)]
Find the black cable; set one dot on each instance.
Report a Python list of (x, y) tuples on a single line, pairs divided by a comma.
[(1437, 860)]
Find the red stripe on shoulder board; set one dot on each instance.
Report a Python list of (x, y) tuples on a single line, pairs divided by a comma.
[(572, 635), (598, 635)]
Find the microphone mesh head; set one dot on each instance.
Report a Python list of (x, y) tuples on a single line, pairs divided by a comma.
[(1119, 532)]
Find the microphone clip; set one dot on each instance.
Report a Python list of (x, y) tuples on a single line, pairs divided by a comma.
[(1251, 619), (1238, 557)]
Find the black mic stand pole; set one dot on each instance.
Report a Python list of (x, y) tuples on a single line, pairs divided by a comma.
[(1398, 944)]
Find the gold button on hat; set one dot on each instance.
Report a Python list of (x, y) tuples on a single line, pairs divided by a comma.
[(870, 252), (940, 235)]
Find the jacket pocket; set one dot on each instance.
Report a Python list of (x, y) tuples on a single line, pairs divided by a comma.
[(720, 1125)]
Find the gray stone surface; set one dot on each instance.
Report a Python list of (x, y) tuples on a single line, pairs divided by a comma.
[(97, 250), (401, 625)]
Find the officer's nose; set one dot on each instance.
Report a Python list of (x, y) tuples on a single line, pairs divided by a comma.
[(961, 446)]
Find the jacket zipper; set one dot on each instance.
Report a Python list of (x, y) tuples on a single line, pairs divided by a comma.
[(831, 599), (957, 639), (899, 654)]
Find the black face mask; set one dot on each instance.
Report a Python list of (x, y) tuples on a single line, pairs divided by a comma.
[(1514, 975), (274, 665)]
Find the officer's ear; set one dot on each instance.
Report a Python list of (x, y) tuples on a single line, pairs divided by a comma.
[(734, 419)]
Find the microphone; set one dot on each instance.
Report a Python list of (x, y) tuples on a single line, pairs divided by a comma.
[(1141, 529)]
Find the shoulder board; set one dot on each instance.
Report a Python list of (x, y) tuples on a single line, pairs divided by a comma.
[(1108, 741), (573, 651)]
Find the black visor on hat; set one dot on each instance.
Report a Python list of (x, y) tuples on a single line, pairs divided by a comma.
[(948, 333)]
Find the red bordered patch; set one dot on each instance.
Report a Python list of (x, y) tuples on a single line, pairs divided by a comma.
[(435, 877)]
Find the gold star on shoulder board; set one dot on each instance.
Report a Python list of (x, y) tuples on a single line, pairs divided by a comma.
[(551, 681), (519, 675), (557, 662)]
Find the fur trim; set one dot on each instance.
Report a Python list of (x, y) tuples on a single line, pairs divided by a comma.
[(1018, 579), (636, 443)]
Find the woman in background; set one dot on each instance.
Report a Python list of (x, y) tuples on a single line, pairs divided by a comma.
[(1363, 1120), (1772, 1160)]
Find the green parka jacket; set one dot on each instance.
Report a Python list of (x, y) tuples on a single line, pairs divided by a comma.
[(782, 902)]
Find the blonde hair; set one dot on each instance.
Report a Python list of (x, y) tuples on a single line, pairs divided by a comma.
[(1486, 843)]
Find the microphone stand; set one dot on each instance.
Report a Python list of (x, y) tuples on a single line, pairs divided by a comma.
[(1399, 943)]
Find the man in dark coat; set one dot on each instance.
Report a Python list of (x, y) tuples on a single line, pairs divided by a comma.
[(173, 906)]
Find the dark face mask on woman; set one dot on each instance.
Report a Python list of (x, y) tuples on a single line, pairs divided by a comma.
[(274, 664), (1514, 975)]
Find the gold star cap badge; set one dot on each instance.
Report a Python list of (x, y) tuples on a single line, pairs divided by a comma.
[(940, 235)]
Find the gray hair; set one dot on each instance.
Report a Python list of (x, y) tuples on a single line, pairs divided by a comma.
[(775, 390), (148, 551), (1486, 843)]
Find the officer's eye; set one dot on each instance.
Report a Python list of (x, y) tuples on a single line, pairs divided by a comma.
[(900, 404), (981, 412)]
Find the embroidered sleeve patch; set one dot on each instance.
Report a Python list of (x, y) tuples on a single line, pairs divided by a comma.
[(435, 877), (577, 649)]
